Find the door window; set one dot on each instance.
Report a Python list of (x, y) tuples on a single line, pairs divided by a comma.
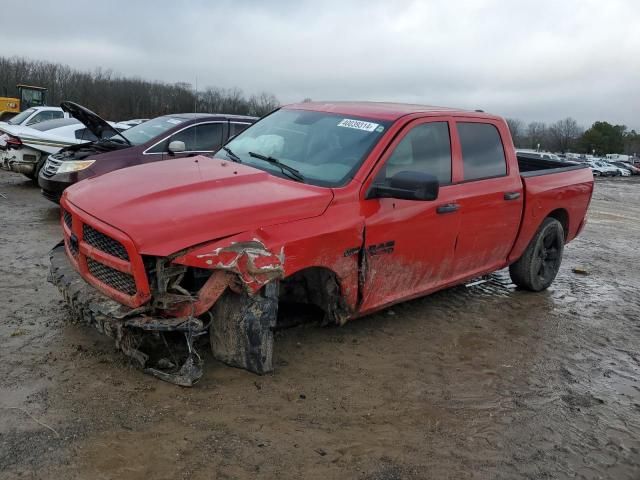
[(206, 137), (426, 148), (482, 151), (44, 116), (86, 135), (236, 128)]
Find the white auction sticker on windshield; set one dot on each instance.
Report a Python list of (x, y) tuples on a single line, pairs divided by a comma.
[(358, 124)]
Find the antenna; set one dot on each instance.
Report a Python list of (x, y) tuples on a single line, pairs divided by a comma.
[(195, 114), (195, 97)]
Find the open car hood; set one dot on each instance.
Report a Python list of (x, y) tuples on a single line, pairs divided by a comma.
[(96, 124)]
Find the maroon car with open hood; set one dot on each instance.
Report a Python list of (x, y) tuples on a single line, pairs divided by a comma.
[(162, 138)]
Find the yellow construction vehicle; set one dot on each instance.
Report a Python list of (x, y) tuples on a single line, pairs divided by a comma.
[(28, 96)]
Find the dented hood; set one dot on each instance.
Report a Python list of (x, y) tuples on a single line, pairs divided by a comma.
[(167, 206)]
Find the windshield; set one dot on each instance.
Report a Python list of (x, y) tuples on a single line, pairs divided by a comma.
[(149, 130), (326, 149), (21, 117)]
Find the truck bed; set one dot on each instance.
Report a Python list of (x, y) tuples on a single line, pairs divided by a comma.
[(531, 167), (549, 189)]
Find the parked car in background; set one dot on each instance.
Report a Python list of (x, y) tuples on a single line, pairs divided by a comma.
[(34, 115), (622, 171), (543, 156), (627, 166), (540, 155), (163, 138), (602, 169), (350, 207), (25, 149)]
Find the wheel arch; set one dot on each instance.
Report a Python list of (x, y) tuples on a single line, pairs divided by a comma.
[(562, 216), (320, 286)]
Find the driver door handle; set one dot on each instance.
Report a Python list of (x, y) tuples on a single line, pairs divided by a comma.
[(511, 195), (447, 208)]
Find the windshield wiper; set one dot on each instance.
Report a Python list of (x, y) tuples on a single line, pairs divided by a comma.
[(286, 169), (232, 155)]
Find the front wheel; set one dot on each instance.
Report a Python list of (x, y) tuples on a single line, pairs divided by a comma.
[(540, 262), (241, 332)]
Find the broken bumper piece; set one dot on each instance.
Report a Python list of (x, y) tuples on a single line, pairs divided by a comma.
[(128, 327)]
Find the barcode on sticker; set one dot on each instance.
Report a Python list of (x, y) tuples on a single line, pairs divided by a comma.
[(358, 124)]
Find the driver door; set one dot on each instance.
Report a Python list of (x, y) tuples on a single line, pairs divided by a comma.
[(410, 244)]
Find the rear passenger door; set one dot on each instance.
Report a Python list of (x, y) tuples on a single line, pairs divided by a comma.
[(490, 198)]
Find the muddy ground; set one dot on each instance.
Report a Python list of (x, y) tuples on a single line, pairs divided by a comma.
[(481, 382)]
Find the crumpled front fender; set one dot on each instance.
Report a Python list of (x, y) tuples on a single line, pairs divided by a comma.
[(254, 263)]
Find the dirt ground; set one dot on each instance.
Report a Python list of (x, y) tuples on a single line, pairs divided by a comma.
[(480, 382)]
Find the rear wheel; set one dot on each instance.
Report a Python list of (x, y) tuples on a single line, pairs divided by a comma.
[(540, 262)]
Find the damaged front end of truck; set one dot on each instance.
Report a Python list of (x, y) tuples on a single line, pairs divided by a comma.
[(160, 309)]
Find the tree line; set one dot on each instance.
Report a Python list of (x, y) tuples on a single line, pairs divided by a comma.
[(568, 136), (116, 97)]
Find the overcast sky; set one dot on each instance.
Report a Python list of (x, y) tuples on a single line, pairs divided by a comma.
[(535, 60)]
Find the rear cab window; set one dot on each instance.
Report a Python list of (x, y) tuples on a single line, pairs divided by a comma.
[(482, 151)]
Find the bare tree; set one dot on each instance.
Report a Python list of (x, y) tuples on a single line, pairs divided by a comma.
[(564, 134), (116, 97), (516, 127), (536, 135), (260, 105)]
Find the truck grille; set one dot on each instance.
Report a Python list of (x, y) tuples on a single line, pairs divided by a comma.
[(68, 220), (110, 276), (51, 166), (103, 242), (106, 260)]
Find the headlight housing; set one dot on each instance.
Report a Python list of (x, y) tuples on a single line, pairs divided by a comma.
[(74, 166)]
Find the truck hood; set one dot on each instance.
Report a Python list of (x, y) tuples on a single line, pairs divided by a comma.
[(167, 206), (94, 122)]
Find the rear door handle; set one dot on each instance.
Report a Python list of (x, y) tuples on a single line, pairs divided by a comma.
[(448, 208), (512, 195)]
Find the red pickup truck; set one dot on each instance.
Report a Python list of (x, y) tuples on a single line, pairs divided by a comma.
[(350, 207)]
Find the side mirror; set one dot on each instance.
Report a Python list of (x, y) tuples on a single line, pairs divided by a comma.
[(177, 147), (407, 186)]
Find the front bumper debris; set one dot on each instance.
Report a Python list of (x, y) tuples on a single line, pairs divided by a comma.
[(128, 327)]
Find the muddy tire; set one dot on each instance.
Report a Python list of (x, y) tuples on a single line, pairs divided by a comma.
[(241, 331), (540, 262)]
